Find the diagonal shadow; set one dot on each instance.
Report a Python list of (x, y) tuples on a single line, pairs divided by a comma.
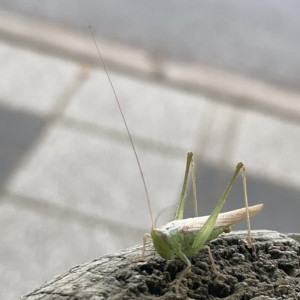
[(18, 132)]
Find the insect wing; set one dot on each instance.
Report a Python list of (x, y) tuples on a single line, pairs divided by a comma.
[(234, 216), (224, 219)]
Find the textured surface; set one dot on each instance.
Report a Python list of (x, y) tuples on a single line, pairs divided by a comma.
[(271, 270)]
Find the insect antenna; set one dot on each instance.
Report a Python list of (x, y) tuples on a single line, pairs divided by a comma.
[(162, 212), (127, 129)]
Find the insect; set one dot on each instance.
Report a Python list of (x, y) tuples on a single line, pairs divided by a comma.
[(185, 237)]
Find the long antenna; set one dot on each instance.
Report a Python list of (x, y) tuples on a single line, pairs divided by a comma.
[(127, 129)]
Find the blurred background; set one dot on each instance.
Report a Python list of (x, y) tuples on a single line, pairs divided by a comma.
[(218, 78)]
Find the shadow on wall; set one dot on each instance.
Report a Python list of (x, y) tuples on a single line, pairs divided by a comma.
[(18, 132)]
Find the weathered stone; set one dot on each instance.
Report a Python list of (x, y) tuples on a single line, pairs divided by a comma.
[(268, 271)]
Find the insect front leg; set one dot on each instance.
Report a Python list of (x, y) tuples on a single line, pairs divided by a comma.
[(146, 235)]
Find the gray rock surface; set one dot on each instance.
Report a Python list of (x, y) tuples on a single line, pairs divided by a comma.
[(269, 271)]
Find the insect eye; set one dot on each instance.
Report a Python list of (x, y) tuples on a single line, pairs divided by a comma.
[(164, 236)]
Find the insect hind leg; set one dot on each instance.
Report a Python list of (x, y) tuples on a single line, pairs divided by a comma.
[(249, 240), (194, 189), (180, 207)]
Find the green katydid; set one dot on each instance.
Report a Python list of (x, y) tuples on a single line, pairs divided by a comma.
[(185, 237)]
